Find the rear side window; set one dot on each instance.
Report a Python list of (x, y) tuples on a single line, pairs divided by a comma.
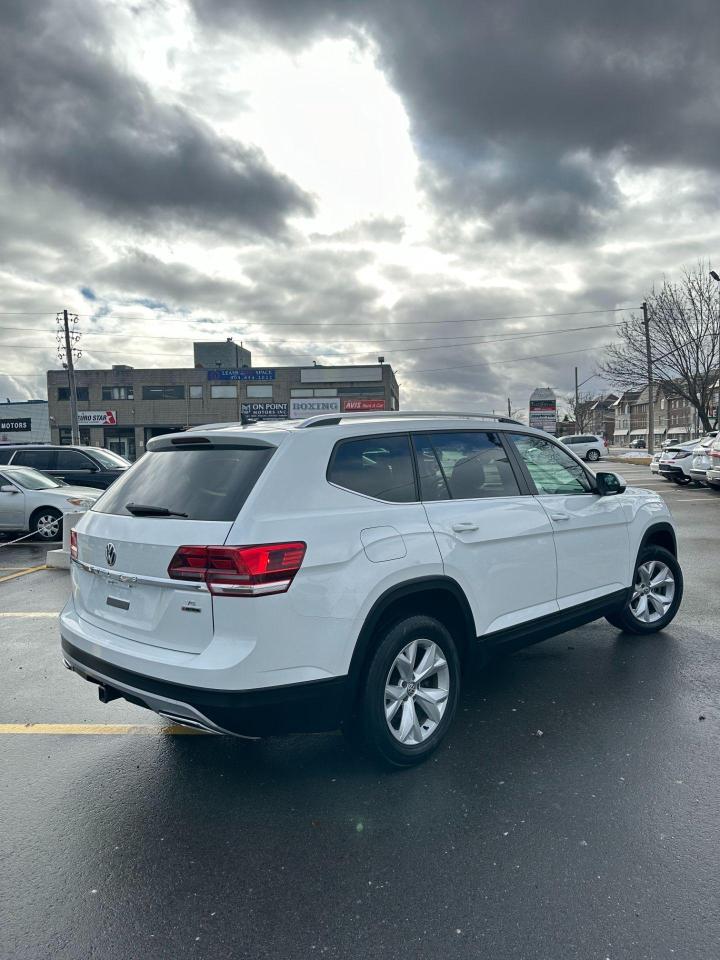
[(379, 467), (40, 459), (472, 466), (5, 455), (208, 484), (73, 460)]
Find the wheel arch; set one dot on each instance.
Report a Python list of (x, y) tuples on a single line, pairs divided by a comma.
[(437, 596), (660, 535)]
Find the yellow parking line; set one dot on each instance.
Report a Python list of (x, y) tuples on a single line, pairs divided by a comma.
[(22, 573), (28, 614), (115, 729)]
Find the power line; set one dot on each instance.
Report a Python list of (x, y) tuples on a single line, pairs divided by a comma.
[(490, 338), (334, 323)]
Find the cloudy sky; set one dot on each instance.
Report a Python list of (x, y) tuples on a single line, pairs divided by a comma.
[(469, 188)]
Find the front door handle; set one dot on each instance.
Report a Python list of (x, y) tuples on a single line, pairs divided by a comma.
[(463, 525), (559, 516)]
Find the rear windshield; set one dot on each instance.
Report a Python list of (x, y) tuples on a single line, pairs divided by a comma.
[(208, 484)]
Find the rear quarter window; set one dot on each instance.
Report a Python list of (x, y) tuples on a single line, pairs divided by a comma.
[(211, 483)]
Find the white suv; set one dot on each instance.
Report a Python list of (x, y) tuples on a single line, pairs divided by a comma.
[(587, 446), (340, 571)]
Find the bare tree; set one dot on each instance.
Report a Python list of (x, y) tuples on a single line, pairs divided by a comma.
[(580, 410), (684, 338)]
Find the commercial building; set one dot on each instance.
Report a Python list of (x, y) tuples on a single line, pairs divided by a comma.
[(123, 407), (24, 421)]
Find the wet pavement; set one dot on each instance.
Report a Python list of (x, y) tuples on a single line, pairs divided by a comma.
[(571, 813)]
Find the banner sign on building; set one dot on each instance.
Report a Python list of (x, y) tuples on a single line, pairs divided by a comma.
[(355, 406), (301, 407), (341, 374), (264, 411), (243, 373), (16, 425), (96, 418)]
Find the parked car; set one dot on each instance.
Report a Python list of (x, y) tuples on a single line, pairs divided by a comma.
[(701, 461), (712, 476), (638, 444), (30, 502), (88, 466), (655, 462), (343, 570), (587, 446), (676, 462)]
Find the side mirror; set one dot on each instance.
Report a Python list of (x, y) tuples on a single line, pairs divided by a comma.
[(8, 488), (609, 484)]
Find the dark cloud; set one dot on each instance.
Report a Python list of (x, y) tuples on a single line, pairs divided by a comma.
[(522, 111), (71, 117)]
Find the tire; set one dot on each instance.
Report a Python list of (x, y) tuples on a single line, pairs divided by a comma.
[(593, 456), (630, 618), (46, 524), (394, 726)]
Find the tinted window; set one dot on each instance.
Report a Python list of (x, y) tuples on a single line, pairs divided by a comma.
[(208, 484), (375, 466), (5, 455), (552, 469), (109, 460), (82, 393), (40, 459), (474, 465), (167, 392), (73, 460), (430, 474)]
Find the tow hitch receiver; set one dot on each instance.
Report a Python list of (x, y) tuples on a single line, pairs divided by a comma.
[(107, 694)]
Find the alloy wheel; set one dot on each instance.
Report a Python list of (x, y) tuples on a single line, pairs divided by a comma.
[(416, 691), (654, 591)]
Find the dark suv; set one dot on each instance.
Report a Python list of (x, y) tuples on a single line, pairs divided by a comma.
[(81, 466)]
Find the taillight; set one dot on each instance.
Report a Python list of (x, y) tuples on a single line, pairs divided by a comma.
[(240, 571), (73, 544)]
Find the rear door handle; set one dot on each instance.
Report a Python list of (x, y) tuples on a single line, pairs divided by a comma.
[(559, 516), (464, 525)]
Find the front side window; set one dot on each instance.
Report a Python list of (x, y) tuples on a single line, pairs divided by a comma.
[(379, 467), (551, 468), (73, 460), (472, 465)]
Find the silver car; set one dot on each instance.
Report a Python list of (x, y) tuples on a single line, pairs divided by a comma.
[(33, 503), (701, 461)]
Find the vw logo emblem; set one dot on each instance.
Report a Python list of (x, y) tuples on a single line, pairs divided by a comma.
[(110, 554)]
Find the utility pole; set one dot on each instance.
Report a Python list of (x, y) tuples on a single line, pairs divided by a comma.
[(577, 404), (651, 385), (70, 339)]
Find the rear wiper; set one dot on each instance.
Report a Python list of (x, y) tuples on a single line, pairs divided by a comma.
[(147, 510)]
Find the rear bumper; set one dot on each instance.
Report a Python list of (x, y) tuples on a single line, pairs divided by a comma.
[(671, 471), (296, 708), (713, 475)]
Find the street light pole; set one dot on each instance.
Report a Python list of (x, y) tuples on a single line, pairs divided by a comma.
[(651, 386)]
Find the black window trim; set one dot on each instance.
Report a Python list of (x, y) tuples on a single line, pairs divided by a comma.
[(376, 436), (518, 460), (524, 488)]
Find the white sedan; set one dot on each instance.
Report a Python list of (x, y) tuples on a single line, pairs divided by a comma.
[(32, 502)]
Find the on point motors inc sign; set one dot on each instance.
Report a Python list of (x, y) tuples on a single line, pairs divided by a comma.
[(543, 410)]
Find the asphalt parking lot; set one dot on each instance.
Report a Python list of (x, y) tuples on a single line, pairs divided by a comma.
[(571, 813)]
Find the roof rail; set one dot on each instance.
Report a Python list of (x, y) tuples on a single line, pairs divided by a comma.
[(332, 419)]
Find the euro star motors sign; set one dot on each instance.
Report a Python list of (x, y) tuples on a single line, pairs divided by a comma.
[(96, 418)]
